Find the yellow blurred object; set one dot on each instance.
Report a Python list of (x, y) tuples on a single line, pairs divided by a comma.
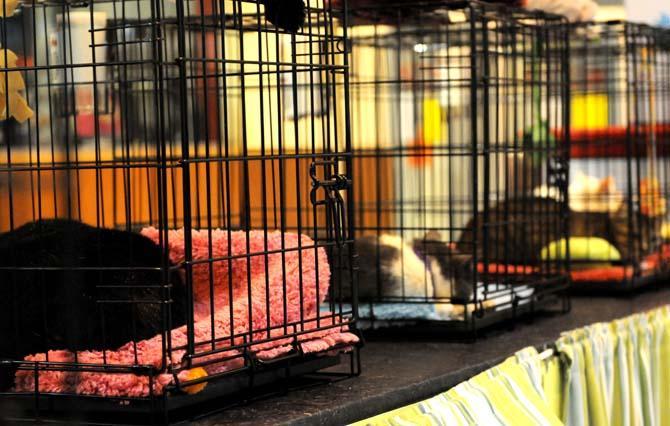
[(665, 231), (652, 203), (432, 122), (9, 8), (11, 83), (582, 248), (193, 374), (589, 111)]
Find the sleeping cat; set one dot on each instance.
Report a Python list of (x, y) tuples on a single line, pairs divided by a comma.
[(517, 231), (61, 308), (426, 268)]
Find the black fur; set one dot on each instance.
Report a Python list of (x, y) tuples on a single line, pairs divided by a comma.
[(374, 263), (459, 267), (518, 230), (58, 308), (288, 15)]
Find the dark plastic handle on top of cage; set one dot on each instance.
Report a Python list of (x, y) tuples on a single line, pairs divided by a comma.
[(333, 201)]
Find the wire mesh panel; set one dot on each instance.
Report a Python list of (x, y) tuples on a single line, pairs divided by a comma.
[(452, 106), (619, 128), (173, 180)]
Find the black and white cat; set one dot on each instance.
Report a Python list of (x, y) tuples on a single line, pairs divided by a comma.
[(392, 267)]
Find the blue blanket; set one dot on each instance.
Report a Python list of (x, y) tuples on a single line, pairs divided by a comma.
[(498, 298)]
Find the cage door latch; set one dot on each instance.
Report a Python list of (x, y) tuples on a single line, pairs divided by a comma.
[(332, 200)]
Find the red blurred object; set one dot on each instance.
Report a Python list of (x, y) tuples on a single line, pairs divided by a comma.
[(608, 273), (24, 61), (657, 259), (611, 142), (420, 155), (86, 125)]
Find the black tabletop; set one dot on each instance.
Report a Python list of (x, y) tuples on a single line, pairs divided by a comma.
[(403, 371)]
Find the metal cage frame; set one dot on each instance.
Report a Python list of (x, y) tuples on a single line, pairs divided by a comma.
[(470, 51), (187, 115), (620, 131)]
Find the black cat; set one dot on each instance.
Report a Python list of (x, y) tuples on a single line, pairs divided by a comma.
[(67, 285)]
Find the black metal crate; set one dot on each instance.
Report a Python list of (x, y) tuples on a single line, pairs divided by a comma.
[(619, 178), (197, 158), (453, 109)]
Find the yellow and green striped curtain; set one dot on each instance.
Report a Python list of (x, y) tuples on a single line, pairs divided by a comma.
[(614, 373)]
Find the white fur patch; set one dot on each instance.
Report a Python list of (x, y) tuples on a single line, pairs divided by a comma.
[(415, 278), (591, 194)]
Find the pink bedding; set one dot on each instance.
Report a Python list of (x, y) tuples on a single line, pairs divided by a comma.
[(299, 265)]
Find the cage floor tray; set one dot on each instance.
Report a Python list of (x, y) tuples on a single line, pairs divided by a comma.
[(459, 330), (538, 300), (220, 393), (621, 278)]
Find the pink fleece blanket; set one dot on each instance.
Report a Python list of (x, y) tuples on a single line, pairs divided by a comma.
[(288, 277)]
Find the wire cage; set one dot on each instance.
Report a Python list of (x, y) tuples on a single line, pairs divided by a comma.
[(452, 106), (173, 205), (620, 129)]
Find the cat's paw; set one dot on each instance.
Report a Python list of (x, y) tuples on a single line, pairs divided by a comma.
[(447, 311)]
